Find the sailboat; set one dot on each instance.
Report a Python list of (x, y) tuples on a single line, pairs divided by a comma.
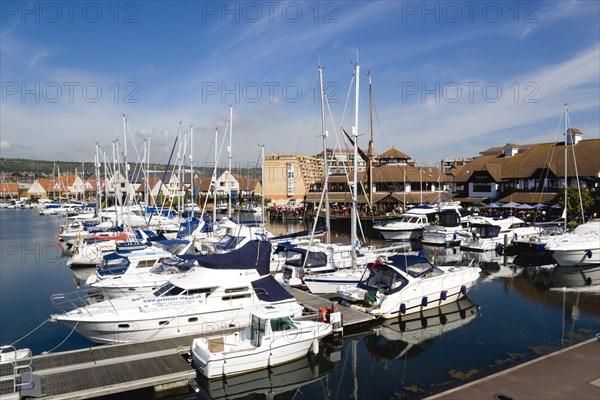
[(582, 245)]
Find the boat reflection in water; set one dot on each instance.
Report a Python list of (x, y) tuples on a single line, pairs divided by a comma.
[(554, 276), (400, 337), (284, 379)]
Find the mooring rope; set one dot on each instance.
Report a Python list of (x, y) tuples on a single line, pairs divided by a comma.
[(64, 340), (35, 329)]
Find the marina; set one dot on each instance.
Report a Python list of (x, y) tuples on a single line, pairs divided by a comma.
[(570, 316)]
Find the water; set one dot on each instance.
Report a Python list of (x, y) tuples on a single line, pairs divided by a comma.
[(511, 317)]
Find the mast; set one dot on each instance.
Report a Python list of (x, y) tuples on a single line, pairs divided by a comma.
[(325, 166), (125, 166), (565, 111), (354, 185), (192, 167), (213, 182), (97, 173), (370, 149), (262, 179), (229, 151)]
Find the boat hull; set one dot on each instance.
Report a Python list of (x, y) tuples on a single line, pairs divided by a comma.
[(141, 326)]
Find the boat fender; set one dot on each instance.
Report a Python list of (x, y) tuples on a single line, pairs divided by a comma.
[(463, 290), (588, 281), (315, 346), (424, 301), (588, 254), (444, 295), (403, 308), (269, 364)]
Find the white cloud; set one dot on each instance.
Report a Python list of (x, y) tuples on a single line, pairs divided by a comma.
[(5, 145)]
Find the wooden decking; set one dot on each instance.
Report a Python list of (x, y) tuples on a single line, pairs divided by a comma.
[(102, 370), (313, 302)]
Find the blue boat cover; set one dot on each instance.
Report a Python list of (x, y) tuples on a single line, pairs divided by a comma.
[(268, 289), (255, 254), (306, 233)]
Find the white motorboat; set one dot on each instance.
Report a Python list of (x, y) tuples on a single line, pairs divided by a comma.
[(411, 223), (444, 230), (138, 260), (405, 284), (579, 247), (272, 338), (201, 300), (146, 282), (320, 264), (485, 233)]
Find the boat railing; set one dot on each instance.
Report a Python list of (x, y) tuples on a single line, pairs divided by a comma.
[(15, 369), (80, 299)]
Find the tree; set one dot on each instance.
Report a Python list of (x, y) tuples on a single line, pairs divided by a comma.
[(573, 203)]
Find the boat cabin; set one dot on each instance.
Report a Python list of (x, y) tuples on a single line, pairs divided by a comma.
[(393, 275), (268, 320)]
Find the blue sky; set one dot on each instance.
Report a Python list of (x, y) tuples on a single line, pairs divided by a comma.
[(449, 78)]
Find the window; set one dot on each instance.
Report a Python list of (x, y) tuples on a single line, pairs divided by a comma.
[(290, 179), (282, 324)]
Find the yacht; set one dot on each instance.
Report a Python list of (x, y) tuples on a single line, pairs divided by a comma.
[(406, 284), (411, 223), (579, 247), (485, 233), (201, 300)]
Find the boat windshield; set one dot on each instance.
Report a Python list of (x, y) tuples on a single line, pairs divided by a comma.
[(168, 289), (282, 324), (229, 242), (382, 278), (172, 266)]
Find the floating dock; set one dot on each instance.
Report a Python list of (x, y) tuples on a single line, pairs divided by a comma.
[(312, 302), (108, 369)]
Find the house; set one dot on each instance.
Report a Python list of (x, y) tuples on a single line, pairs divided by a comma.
[(530, 173), (9, 190), (248, 186), (39, 189)]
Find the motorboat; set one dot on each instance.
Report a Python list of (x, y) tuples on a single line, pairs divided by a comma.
[(405, 284), (578, 247), (272, 338), (535, 244), (195, 302), (411, 223), (146, 282), (138, 260), (444, 229), (485, 233), (328, 264)]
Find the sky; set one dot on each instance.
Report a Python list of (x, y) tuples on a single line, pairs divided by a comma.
[(449, 79)]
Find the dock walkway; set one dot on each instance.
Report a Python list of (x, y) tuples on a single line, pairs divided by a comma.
[(102, 370), (313, 302), (571, 373)]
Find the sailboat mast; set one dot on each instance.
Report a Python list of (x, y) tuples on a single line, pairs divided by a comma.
[(354, 186), (125, 166), (565, 111), (97, 173), (370, 149), (325, 162), (192, 168), (262, 182), (213, 182), (229, 150)]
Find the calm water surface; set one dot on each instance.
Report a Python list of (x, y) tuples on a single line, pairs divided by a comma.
[(509, 318)]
